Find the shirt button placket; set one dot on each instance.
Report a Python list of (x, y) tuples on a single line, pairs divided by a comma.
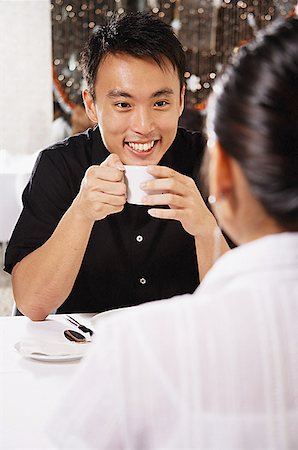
[(139, 239)]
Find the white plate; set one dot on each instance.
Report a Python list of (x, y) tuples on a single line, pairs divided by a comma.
[(98, 317), (75, 352)]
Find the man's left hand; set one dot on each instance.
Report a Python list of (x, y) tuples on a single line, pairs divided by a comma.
[(182, 196)]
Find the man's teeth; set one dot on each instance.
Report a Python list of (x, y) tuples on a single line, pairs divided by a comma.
[(141, 147)]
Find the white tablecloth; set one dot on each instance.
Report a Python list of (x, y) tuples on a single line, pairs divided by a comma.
[(30, 389), (15, 172), (11, 188)]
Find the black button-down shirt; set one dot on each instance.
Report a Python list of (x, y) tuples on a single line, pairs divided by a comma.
[(131, 257)]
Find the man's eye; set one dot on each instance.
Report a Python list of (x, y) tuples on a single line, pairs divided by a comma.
[(161, 103), (122, 105)]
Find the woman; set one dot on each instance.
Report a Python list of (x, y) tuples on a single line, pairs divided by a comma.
[(217, 369)]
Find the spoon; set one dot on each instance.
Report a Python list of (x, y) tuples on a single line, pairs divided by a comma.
[(81, 327), (74, 336)]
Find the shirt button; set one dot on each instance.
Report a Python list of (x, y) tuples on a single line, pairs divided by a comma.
[(143, 280), (139, 238)]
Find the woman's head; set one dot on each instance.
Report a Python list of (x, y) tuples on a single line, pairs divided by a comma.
[(253, 114)]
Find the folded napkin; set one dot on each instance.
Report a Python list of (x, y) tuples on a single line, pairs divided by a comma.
[(29, 347)]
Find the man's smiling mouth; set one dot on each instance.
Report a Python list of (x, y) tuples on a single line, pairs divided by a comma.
[(141, 147)]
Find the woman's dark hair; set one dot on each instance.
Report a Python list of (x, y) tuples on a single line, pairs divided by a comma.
[(137, 34), (254, 115)]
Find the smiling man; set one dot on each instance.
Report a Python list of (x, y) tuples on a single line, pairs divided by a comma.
[(137, 104), (78, 245)]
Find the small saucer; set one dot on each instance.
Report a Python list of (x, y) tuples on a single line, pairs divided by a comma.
[(45, 351)]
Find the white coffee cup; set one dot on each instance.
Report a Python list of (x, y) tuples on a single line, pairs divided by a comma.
[(134, 176)]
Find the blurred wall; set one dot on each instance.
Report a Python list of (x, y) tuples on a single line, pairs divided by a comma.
[(25, 75)]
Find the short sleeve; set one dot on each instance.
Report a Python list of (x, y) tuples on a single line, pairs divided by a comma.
[(46, 197)]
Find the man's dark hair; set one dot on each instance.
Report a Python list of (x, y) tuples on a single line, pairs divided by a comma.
[(138, 34)]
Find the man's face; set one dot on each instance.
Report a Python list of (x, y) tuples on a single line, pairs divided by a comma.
[(137, 106)]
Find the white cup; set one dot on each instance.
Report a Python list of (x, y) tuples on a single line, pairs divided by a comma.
[(134, 176)]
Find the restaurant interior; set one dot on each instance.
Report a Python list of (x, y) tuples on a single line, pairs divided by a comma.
[(44, 64), (43, 351)]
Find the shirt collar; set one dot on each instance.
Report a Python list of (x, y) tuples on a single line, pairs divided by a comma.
[(99, 151), (272, 252)]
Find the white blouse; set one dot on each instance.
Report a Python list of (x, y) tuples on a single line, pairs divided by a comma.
[(214, 370)]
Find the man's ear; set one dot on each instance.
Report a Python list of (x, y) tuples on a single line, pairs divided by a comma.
[(182, 96), (90, 106)]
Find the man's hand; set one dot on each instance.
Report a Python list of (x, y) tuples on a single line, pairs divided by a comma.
[(103, 191), (180, 193), (43, 279)]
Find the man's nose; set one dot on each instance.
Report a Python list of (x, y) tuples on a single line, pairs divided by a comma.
[(142, 121)]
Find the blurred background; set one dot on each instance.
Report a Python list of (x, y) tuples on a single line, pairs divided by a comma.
[(210, 32), (41, 82)]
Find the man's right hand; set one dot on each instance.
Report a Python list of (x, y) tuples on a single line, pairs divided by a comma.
[(103, 191), (43, 279)]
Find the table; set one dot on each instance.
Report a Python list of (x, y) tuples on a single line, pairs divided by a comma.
[(30, 389), (15, 172)]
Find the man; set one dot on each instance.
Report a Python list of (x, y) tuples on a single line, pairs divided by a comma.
[(79, 120), (78, 246)]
